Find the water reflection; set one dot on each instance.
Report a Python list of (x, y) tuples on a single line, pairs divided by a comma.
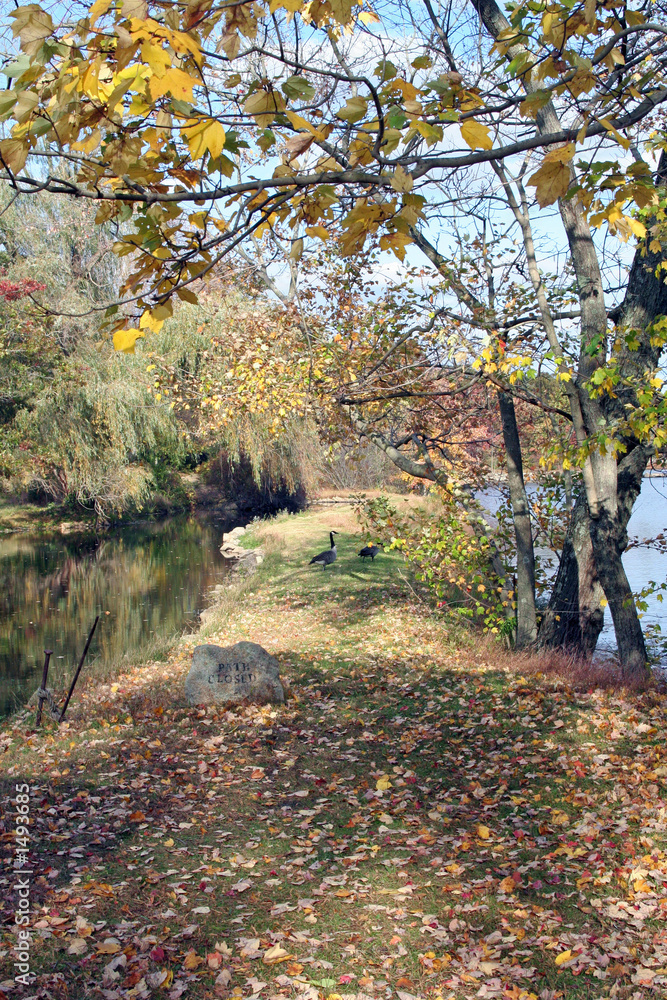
[(151, 579)]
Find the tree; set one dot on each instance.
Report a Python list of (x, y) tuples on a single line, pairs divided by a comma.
[(162, 108)]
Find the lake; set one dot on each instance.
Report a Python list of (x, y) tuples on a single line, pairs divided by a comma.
[(147, 582)]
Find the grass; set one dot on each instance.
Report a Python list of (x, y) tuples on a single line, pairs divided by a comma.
[(31, 517), (425, 817)]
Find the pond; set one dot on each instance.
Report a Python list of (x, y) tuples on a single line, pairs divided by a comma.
[(147, 583)]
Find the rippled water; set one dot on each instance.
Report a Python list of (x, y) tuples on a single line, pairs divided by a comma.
[(147, 582)]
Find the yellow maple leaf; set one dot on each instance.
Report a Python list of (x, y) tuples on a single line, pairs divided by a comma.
[(383, 784), (476, 135), (319, 231), (14, 153), (483, 832), (209, 136), (401, 181), (264, 105), (124, 340), (150, 322), (552, 180), (99, 8), (292, 6), (174, 82), (564, 956)]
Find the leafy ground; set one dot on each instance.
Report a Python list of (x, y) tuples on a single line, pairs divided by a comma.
[(417, 820)]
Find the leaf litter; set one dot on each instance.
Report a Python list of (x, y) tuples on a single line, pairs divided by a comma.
[(416, 821)]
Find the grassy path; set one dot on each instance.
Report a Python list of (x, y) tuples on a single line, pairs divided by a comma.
[(417, 820)]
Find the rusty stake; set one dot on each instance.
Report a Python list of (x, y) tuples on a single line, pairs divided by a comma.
[(45, 674)]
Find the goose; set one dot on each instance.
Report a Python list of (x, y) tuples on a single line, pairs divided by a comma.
[(328, 556), (369, 550)]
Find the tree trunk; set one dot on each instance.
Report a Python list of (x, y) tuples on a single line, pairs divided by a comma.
[(574, 611), (575, 617), (526, 619)]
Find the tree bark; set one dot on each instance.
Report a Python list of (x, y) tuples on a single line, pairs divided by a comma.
[(526, 618), (575, 617)]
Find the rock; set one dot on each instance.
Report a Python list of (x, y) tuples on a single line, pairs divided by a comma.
[(233, 673), (231, 536), (73, 527)]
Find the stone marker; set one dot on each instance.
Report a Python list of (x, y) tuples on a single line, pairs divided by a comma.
[(233, 673)]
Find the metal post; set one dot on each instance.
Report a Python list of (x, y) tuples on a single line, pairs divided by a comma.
[(45, 674), (78, 670)]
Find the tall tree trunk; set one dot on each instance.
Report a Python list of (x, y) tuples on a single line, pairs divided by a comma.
[(526, 618), (574, 611), (575, 617)]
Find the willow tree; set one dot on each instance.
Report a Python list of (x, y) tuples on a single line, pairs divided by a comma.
[(196, 126)]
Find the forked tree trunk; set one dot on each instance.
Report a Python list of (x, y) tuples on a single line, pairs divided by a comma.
[(574, 613), (600, 476), (526, 619)]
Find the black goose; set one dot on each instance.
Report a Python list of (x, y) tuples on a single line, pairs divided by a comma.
[(327, 557), (369, 551)]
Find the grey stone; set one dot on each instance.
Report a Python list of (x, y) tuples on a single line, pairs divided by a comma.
[(222, 674)]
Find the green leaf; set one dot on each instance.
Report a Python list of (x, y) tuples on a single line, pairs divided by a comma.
[(422, 62), (17, 68), (354, 110), (297, 88), (385, 70)]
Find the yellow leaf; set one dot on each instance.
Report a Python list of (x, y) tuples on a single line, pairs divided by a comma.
[(110, 946), (292, 6), (552, 180), (383, 784), (264, 106), (401, 181), (369, 17), (150, 322), (208, 136), (175, 82), (124, 340), (476, 135), (99, 8), (275, 954), (192, 960), (14, 154), (483, 832), (319, 231), (155, 57), (168, 843), (564, 956), (354, 110), (638, 228), (507, 885)]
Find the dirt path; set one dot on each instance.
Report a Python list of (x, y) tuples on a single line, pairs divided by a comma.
[(416, 821)]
